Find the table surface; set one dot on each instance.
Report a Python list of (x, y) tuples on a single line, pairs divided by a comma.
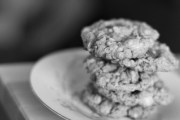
[(16, 96)]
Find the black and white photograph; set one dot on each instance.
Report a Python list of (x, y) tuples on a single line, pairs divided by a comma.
[(89, 60)]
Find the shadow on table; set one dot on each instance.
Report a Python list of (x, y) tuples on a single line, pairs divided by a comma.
[(3, 115)]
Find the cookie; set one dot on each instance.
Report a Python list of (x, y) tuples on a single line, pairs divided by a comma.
[(122, 82), (113, 77), (119, 39), (157, 59), (149, 97), (114, 110)]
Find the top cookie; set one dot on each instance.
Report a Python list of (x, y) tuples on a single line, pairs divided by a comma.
[(119, 39)]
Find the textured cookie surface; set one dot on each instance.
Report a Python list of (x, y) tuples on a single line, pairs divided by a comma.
[(124, 59), (149, 97), (118, 39), (105, 107), (157, 59)]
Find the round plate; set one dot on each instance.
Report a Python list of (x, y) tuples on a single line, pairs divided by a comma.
[(58, 78)]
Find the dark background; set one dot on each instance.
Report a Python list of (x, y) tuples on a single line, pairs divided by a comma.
[(30, 29)]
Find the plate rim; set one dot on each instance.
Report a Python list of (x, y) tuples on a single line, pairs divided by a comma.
[(34, 67)]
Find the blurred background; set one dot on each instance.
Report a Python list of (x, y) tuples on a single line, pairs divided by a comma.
[(30, 29)]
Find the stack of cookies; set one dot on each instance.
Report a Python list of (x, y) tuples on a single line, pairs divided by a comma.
[(124, 59)]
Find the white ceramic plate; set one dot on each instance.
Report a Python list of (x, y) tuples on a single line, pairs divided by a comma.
[(58, 78)]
